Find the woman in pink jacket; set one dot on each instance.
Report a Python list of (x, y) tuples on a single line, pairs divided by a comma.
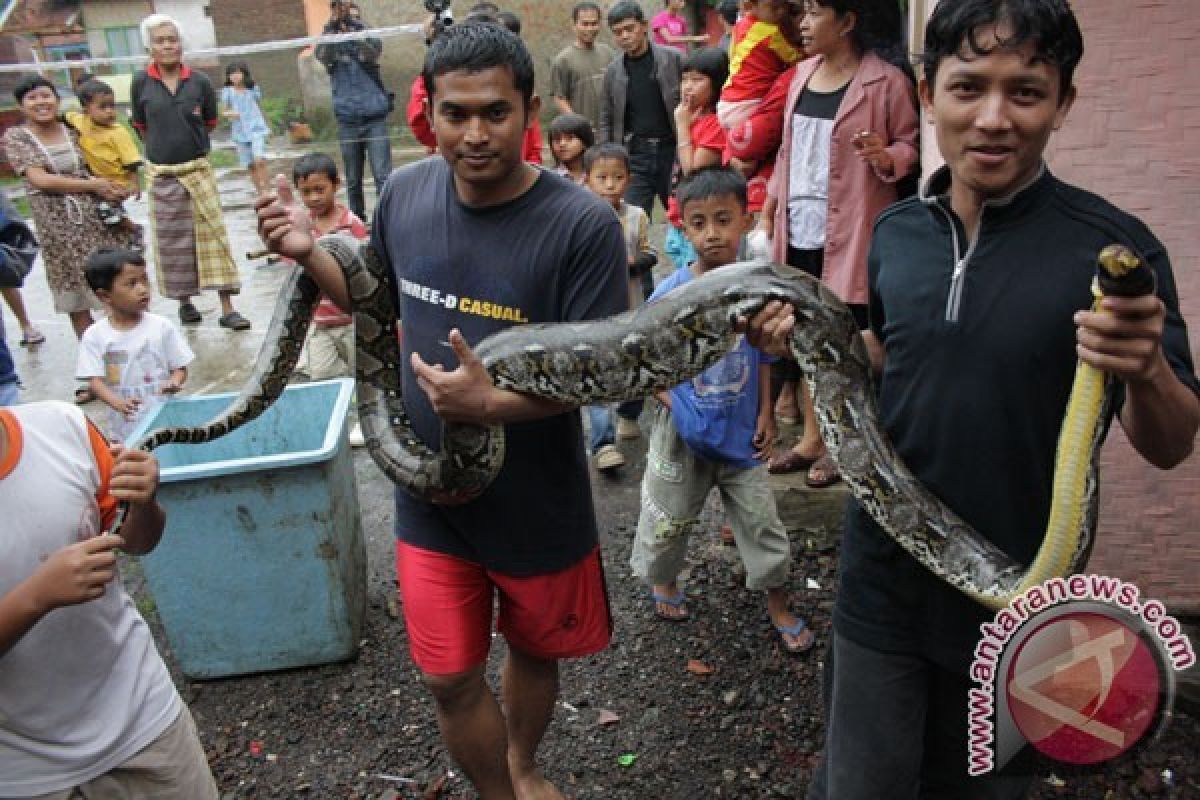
[(849, 134)]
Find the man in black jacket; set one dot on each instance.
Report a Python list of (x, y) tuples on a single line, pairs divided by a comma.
[(641, 91), (360, 103), (979, 290)]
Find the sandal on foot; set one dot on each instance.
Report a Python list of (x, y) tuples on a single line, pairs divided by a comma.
[(823, 473), (189, 314), (797, 628), (676, 601), (32, 338), (234, 321), (791, 461), (84, 395)]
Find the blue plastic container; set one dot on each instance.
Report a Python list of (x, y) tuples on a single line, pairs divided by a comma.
[(262, 565)]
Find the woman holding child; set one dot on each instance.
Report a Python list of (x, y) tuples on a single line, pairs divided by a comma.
[(849, 134), (63, 197)]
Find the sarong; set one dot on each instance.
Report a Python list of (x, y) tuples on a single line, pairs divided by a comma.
[(190, 245)]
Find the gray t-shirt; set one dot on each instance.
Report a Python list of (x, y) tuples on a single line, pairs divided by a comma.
[(578, 75)]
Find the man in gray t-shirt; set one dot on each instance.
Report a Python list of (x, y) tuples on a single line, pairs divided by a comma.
[(577, 73)]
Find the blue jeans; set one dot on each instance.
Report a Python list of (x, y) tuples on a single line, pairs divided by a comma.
[(601, 427), (8, 394), (896, 727), (360, 140)]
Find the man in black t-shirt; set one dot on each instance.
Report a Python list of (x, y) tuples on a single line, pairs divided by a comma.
[(979, 297), (641, 91), (478, 241)]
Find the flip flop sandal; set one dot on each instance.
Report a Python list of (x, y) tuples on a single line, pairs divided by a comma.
[(826, 465), (32, 338), (791, 461), (795, 630), (676, 601), (83, 396)]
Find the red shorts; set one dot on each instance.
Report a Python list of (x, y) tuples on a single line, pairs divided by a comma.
[(448, 610)]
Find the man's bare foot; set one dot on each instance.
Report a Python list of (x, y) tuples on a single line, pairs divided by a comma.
[(533, 785)]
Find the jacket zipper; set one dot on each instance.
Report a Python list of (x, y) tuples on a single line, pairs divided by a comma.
[(954, 296)]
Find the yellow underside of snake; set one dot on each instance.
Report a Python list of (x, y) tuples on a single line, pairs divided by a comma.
[(661, 345)]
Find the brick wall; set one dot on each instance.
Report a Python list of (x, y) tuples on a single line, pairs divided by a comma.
[(1132, 136), (245, 23)]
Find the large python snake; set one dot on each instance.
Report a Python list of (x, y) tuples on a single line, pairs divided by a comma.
[(661, 345)]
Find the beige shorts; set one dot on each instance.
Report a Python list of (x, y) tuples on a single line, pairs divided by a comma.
[(172, 767), (328, 353)]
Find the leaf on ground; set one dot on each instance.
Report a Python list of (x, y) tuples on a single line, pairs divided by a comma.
[(698, 667), (606, 717), (627, 759)]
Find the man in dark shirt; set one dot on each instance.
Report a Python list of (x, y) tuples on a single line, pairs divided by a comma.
[(641, 91), (479, 240), (979, 296), (174, 108)]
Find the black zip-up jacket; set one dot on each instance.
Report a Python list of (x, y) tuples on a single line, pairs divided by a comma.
[(980, 346)]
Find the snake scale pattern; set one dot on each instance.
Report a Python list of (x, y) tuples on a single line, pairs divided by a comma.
[(660, 345)]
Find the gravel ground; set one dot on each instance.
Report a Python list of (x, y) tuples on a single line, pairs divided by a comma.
[(634, 722)]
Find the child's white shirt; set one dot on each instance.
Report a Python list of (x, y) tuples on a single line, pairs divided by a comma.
[(134, 363)]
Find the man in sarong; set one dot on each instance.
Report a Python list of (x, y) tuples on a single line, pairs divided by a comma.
[(174, 108)]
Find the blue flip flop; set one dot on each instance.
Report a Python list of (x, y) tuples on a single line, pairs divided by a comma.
[(675, 601), (795, 630)]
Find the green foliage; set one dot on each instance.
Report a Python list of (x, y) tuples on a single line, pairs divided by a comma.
[(279, 111), (221, 158)]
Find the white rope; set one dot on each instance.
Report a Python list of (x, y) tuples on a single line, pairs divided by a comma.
[(230, 50)]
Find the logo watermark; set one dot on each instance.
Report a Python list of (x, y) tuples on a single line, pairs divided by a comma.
[(1083, 668)]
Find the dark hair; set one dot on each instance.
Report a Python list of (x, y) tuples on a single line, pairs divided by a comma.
[(584, 5), (728, 9), (1049, 25), (476, 46), (29, 83), (602, 151), (623, 10), (92, 89), (313, 163), (242, 67), (878, 28), (510, 20), (575, 125), (104, 265), (711, 182), (713, 63)]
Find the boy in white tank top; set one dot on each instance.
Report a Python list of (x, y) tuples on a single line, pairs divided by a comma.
[(86, 702)]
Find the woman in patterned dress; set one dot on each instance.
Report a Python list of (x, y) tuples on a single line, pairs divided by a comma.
[(62, 196)]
